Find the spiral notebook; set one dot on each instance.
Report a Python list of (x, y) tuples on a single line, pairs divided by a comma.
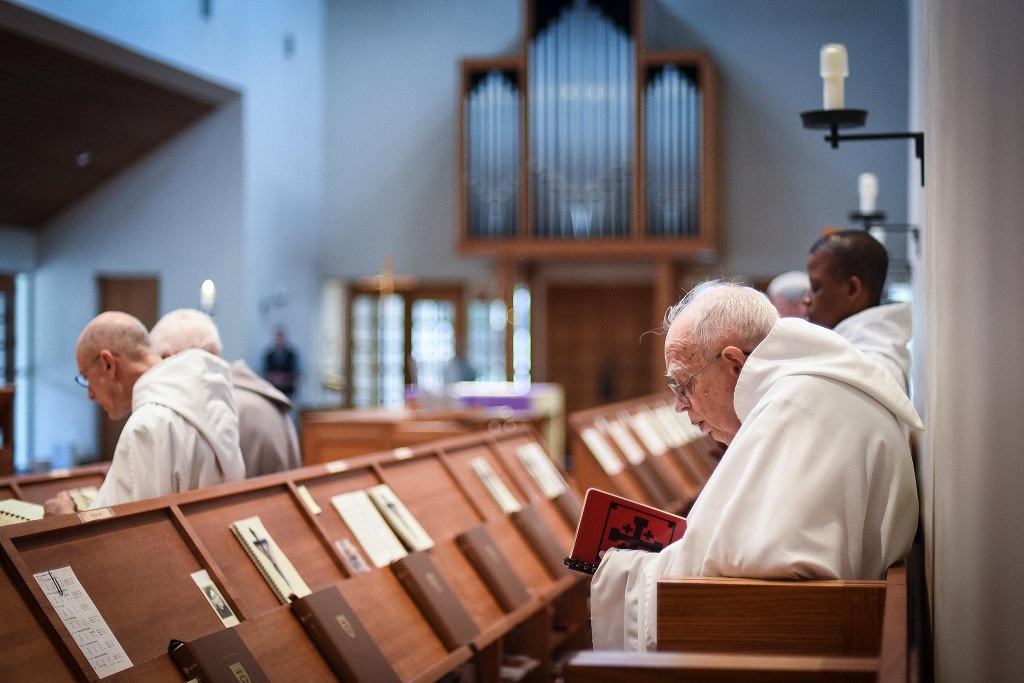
[(610, 521), (269, 559), (13, 511)]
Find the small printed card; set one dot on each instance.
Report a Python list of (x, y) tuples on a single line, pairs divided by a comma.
[(495, 486), (214, 597)]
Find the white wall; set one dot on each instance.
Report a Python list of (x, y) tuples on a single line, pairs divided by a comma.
[(250, 196), (973, 95), (781, 184), (177, 215), (392, 97), (18, 249)]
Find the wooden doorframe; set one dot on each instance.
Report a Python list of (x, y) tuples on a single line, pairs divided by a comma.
[(138, 295)]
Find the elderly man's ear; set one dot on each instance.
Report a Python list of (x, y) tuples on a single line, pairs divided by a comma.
[(734, 359)]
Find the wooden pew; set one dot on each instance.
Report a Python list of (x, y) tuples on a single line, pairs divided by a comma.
[(147, 551), (640, 449), (328, 435), (40, 487), (728, 629)]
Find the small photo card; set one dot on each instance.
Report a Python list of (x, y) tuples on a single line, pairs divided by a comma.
[(213, 596)]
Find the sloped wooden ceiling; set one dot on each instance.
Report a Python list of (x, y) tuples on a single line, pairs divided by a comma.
[(76, 110)]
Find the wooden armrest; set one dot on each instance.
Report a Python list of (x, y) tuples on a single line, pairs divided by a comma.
[(823, 618), (666, 667), (894, 627)]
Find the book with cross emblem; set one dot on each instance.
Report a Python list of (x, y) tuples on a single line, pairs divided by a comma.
[(610, 521)]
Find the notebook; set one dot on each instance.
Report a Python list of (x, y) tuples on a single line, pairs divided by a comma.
[(611, 521), (269, 559), (13, 511)]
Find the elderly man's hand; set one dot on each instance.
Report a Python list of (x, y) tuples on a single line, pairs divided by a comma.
[(61, 504)]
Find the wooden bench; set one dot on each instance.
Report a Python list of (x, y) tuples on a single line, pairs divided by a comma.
[(328, 435), (136, 565), (724, 629), (640, 449), (40, 487)]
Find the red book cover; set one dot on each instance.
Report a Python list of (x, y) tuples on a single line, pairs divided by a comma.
[(611, 521)]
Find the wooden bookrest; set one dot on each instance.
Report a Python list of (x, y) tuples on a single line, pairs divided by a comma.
[(39, 488), (136, 567), (671, 479)]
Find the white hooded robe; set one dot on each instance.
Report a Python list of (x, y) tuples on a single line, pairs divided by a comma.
[(182, 433), (817, 483), (882, 334)]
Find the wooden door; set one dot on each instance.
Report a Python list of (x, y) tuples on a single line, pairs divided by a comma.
[(138, 296), (596, 346)]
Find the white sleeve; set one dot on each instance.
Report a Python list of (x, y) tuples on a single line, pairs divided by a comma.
[(617, 600)]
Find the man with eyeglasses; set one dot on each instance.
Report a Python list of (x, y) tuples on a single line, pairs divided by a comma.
[(183, 430), (817, 481)]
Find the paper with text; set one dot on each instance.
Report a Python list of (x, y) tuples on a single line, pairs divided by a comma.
[(401, 520), (543, 471), (83, 621), (602, 451), (370, 529), (495, 486)]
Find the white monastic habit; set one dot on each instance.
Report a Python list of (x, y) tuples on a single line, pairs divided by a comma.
[(182, 433), (266, 432), (882, 333), (817, 483)]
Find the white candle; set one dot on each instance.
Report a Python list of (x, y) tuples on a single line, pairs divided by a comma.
[(867, 187), (207, 295), (878, 233), (833, 70)]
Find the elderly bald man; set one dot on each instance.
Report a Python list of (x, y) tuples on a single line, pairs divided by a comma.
[(266, 433), (817, 481), (183, 430)]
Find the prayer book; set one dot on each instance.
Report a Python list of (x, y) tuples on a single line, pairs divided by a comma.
[(269, 559), (83, 496), (543, 471), (401, 520), (536, 532), (369, 527), (341, 638), (13, 511), (220, 657), (495, 486), (435, 598), (492, 566), (611, 521)]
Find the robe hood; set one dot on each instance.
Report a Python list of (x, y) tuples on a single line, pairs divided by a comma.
[(881, 332), (197, 386), (244, 378), (797, 347)]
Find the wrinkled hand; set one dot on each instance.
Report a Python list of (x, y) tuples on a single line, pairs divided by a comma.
[(61, 504)]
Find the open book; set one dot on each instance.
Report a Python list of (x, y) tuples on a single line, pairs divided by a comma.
[(611, 521), (13, 511), (272, 563), (369, 527)]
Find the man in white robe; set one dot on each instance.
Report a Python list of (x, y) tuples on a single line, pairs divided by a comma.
[(847, 272), (817, 481), (182, 433), (266, 432)]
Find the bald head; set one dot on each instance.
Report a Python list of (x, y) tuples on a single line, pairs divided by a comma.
[(183, 329), (112, 353), (120, 333)]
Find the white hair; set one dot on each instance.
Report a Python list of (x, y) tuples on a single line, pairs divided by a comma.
[(791, 285), (726, 313), (183, 329)]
